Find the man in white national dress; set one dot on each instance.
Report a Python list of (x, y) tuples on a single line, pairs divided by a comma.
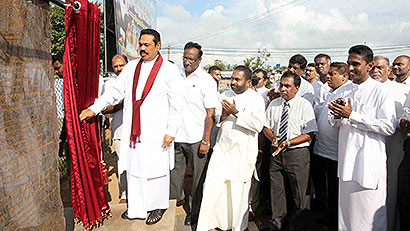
[(365, 116), (149, 88), (228, 180)]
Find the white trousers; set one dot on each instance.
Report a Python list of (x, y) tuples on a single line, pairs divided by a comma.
[(145, 195), (224, 205), (362, 209)]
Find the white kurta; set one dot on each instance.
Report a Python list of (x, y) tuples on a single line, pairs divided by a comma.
[(362, 156), (395, 153), (227, 183), (159, 116)]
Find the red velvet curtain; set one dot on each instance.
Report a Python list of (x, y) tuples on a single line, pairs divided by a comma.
[(81, 65)]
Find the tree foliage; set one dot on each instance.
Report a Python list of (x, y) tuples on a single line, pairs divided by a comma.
[(58, 31), (259, 62), (221, 64)]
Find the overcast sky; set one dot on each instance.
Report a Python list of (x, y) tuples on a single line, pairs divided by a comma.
[(284, 27)]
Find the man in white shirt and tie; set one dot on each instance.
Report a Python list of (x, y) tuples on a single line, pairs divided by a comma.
[(290, 125), (365, 115)]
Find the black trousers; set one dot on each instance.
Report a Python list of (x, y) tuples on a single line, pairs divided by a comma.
[(326, 184), (187, 155), (291, 165), (403, 197)]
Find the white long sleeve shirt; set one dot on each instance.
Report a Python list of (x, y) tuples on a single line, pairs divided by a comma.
[(159, 116), (236, 147), (362, 150)]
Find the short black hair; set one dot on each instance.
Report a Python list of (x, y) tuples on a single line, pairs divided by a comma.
[(157, 36), (363, 51), (56, 58), (214, 68), (341, 67), (248, 72), (296, 78), (323, 55), (298, 59), (190, 45), (265, 74), (311, 65)]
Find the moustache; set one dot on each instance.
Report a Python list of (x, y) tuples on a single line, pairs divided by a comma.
[(143, 52)]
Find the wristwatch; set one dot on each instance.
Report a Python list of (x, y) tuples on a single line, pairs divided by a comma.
[(206, 143)]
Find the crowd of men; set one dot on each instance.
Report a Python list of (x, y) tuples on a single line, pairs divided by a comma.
[(330, 136)]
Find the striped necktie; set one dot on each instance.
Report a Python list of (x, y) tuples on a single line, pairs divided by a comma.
[(283, 129)]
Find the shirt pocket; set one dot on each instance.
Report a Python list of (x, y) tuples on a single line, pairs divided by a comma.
[(194, 93)]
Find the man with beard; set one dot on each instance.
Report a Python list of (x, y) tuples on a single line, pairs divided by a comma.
[(226, 189), (152, 103), (401, 69), (394, 143), (193, 140), (290, 124), (365, 115)]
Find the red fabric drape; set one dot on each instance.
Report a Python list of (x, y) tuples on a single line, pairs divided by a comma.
[(81, 65)]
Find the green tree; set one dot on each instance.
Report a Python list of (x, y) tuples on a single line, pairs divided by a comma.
[(58, 31), (221, 64), (259, 62)]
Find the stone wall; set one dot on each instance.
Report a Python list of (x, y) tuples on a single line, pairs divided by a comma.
[(29, 180)]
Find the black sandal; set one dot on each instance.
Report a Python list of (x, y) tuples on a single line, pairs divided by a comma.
[(124, 216), (155, 216)]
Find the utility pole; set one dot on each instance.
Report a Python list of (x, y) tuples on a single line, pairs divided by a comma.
[(169, 52)]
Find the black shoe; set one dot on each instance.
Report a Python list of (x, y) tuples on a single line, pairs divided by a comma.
[(180, 203), (187, 221)]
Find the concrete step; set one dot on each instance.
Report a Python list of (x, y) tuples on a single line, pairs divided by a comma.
[(115, 222)]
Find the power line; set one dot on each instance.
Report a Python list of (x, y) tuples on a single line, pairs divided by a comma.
[(248, 21)]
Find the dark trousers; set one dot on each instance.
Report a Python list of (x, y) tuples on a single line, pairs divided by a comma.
[(326, 184), (260, 190), (187, 155), (291, 165), (403, 196)]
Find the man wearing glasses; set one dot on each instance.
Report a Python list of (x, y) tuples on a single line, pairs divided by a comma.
[(192, 141)]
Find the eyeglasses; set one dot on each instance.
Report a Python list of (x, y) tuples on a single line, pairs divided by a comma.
[(189, 60)]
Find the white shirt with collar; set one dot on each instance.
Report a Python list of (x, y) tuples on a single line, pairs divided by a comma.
[(406, 81), (199, 94), (320, 91), (362, 149), (263, 91), (301, 118), (327, 137)]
